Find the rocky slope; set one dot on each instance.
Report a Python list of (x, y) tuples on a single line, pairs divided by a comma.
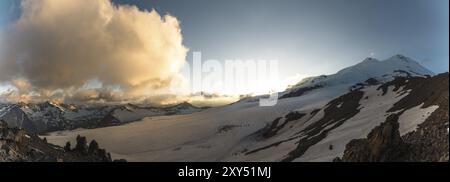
[(411, 111), (429, 142)]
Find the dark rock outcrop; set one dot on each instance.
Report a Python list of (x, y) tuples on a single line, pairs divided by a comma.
[(383, 144), (280, 123), (385, 141), (17, 145)]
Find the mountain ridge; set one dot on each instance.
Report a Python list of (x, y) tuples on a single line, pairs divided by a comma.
[(50, 116), (386, 70)]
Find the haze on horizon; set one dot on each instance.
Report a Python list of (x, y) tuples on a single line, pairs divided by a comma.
[(133, 50)]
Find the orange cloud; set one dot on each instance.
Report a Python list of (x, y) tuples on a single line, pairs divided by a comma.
[(59, 45)]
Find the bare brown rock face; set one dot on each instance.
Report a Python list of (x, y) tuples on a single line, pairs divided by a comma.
[(383, 144), (356, 151), (382, 139)]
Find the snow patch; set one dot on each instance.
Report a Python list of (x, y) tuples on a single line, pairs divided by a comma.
[(411, 118)]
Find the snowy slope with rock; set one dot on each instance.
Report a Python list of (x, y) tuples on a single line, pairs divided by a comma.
[(312, 121)]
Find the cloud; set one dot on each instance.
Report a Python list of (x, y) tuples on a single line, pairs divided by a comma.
[(100, 95), (293, 80), (21, 85), (57, 46), (211, 99)]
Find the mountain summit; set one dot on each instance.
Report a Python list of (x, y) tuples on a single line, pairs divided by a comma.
[(386, 70)]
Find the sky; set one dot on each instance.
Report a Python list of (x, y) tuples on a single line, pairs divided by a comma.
[(303, 33), (307, 37)]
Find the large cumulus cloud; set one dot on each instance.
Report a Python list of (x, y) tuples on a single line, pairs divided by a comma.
[(60, 45)]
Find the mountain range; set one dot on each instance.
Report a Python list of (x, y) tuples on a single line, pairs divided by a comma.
[(52, 116), (374, 111)]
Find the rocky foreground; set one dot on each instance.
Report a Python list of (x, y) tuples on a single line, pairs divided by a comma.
[(17, 145)]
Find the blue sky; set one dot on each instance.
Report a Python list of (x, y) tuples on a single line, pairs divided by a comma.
[(306, 36), (312, 36)]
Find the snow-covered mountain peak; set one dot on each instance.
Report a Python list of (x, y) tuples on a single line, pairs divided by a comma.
[(184, 105), (370, 59), (401, 58), (386, 70), (51, 105), (408, 64)]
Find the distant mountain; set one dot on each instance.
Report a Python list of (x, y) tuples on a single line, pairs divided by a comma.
[(383, 71), (130, 112), (15, 117), (51, 116)]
